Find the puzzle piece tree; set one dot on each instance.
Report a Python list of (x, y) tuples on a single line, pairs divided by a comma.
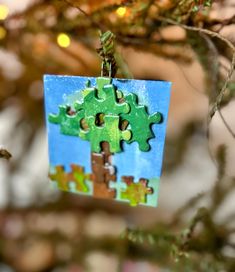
[(106, 117)]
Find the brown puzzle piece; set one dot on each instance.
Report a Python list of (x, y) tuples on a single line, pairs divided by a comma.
[(103, 172), (100, 190)]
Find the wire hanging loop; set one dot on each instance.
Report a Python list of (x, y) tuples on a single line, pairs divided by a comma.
[(106, 69), (107, 52)]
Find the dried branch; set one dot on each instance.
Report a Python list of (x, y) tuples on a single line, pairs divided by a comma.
[(4, 154), (216, 105)]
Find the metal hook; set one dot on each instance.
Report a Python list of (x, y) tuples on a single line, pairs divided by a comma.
[(110, 69), (102, 69)]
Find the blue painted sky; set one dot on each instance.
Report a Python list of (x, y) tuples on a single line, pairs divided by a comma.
[(64, 150)]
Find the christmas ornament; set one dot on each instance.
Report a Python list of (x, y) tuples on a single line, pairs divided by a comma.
[(106, 136)]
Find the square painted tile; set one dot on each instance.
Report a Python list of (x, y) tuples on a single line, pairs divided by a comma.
[(106, 136)]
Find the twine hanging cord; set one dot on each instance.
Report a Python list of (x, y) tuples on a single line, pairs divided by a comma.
[(107, 52)]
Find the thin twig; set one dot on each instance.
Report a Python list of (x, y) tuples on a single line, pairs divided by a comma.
[(203, 216), (226, 124), (187, 79), (213, 58), (93, 22), (226, 23), (191, 203)]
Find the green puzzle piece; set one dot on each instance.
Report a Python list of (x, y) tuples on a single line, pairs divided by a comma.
[(109, 132), (108, 104), (140, 122), (136, 192), (100, 83), (69, 124)]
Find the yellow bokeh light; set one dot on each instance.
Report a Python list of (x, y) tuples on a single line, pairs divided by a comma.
[(121, 11), (4, 11), (2, 33), (63, 40)]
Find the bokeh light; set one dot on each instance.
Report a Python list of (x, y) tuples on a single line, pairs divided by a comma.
[(63, 40), (121, 11), (2, 33), (4, 11)]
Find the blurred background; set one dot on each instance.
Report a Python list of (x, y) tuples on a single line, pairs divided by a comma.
[(45, 230)]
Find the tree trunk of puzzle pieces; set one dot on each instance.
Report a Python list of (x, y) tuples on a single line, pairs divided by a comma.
[(103, 172)]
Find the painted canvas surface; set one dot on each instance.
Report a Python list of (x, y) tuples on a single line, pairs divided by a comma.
[(106, 136)]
